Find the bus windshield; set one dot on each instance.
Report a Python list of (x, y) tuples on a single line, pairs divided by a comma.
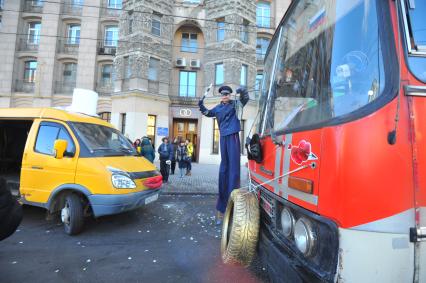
[(329, 64)]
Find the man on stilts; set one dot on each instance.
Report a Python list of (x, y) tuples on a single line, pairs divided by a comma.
[(230, 148)]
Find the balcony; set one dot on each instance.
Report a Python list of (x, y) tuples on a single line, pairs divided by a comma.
[(105, 87), (108, 12), (65, 47), (64, 87), (33, 6), (26, 44), (24, 86), (183, 100), (72, 9), (106, 49)]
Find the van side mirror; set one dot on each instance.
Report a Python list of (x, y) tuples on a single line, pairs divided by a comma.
[(59, 148)]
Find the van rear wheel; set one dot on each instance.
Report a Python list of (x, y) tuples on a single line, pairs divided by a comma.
[(72, 214)]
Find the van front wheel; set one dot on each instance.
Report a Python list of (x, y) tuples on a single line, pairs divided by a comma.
[(72, 214)]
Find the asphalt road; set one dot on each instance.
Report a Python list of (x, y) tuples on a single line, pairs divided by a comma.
[(172, 240)]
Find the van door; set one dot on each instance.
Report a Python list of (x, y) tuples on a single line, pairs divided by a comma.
[(41, 172), (417, 102)]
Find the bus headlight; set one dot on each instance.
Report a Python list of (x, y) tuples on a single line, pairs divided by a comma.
[(305, 236), (287, 222), (122, 182)]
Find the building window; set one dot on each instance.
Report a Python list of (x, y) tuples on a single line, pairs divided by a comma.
[(106, 116), (262, 44), (77, 2), (187, 83), (219, 76), (130, 27), (263, 14), (243, 76), (30, 71), (258, 84), (216, 137), (73, 34), (106, 74), (34, 32), (123, 123), (150, 131), (111, 36), (221, 30), (156, 25), (242, 135), (154, 65), (245, 31), (115, 4), (70, 73), (189, 42), (127, 67)]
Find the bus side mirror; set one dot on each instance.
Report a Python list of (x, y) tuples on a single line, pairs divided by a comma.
[(59, 148)]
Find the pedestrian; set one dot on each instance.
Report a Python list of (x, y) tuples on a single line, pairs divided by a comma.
[(137, 145), (165, 151), (10, 212), (147, 150), (230, 150), (190, 148), (175, 146), (182, 156)]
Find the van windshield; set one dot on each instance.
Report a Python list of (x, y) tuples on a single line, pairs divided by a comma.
[(329, 64), (104, 141)]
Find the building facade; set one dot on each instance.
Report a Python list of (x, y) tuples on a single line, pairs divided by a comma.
[(150, 61)]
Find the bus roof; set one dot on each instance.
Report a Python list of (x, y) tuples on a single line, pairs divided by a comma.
[(49, 113)]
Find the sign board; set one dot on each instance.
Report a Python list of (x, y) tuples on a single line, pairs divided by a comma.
[(162, 132)]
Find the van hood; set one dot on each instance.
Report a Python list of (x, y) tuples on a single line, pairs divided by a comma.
[(130, 164)]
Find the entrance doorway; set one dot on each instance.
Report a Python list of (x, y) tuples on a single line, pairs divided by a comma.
[(187, 129)]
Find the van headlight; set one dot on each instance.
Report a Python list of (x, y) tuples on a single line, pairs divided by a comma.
[(287, 222), (305, 236), (122, 182)]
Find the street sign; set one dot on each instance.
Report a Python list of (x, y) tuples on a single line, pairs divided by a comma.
[(162, 132)]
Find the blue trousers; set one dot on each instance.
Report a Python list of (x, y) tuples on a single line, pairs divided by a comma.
[(229, 171)]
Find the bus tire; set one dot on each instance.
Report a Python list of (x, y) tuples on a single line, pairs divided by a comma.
[(72, 214), (240, 230)]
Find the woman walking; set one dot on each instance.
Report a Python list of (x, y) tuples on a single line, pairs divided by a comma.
[(137, 145), (175, 145), (182, 155)]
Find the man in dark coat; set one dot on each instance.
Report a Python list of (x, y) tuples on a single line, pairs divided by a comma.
[(230, 149), (10, 212), (165, 151)]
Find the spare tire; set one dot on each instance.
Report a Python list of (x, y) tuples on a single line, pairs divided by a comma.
[(240, 230)]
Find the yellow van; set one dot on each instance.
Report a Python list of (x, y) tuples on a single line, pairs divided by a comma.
[(72, 164)]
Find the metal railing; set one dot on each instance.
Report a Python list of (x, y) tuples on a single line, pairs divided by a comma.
[(72, 9), (66, 47), (64, 87), (24, 86), (110, 12), (105, 87), (28, 45), (183, 100), (33, 6), (105, 49)]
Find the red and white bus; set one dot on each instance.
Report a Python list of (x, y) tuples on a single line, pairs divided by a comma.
[(342, 127)]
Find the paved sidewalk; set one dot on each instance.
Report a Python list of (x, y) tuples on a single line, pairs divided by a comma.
[(203, 180)]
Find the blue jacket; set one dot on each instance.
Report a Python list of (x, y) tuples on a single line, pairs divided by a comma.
[(165, 151), (147, 150), (226, 114)]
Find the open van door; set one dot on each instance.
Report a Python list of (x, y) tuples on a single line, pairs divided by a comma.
[(417, 103)]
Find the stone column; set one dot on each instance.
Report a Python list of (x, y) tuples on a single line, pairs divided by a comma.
[(8, 40), (87, 64), (47, 53)]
